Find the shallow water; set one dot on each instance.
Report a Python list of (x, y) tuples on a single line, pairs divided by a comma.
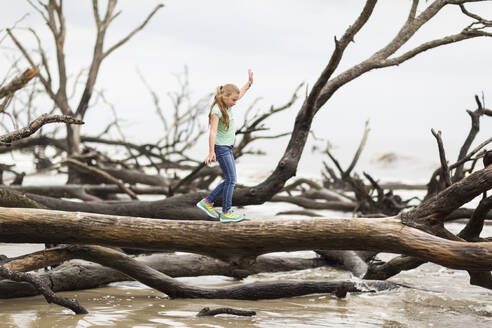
[(440, 298)]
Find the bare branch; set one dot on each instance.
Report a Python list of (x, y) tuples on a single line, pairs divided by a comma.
[(45, 83), (44, 59), (442, 156), (18, 82), (358, 152), (43, 288), (475, 127), (340, 46), (478, 19), (135, 31), (35, 125), (98, 172), (464, 35), (380, 58), (413, 10), (95, 9)]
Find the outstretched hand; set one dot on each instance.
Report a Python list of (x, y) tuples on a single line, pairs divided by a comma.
[(250, 77)]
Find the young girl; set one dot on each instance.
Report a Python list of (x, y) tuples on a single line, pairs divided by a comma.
[(221, 141)]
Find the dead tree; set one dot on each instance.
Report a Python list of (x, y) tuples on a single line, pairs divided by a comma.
[(443, 177), (52, 13)]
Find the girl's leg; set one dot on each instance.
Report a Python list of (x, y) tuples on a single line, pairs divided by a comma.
[(226, 161), (215, 193)]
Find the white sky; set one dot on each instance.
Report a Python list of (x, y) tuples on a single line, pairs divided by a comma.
[(284, 42)]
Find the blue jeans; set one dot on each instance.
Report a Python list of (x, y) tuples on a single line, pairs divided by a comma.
[(226, 188)]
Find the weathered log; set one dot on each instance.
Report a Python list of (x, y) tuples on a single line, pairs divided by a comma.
[(174, 265), (134, 177), (325, 194), (83, 192), (402, 186), (352, 261), (175, 289), (313, 204), (177, 207), (301, 212), (236, 242), (392, 267), (79, 274), (206, 312)]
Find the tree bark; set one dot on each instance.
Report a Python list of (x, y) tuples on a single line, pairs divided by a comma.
[(241, 242)]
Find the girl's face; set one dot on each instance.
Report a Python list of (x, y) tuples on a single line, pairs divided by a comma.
[(230, 100)]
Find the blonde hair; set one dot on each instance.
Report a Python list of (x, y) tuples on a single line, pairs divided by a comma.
[(223, 90)]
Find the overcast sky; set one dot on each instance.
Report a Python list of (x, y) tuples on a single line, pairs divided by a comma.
[(285, 43)]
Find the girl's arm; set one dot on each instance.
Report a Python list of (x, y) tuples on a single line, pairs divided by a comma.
[(214, 123), (247, 85)]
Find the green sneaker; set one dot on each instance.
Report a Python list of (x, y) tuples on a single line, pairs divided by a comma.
[(231, 217), (207, 208)]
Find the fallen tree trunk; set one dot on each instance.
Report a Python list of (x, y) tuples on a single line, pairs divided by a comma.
[(78, 274), (174, 265), (84, 192), (175, 289), (237, 242), (355, 262), (318, 205)]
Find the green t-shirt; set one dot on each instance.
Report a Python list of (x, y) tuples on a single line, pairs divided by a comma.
[(225, 137)]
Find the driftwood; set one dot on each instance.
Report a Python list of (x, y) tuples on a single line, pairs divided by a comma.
[(353, 261), (175, 289), (174, 265), (384, 234), (206, 312), (83, 192), (78, 274), (43, 288), (313, 204)]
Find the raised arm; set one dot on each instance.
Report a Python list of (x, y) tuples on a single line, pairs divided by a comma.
[(247, 85)]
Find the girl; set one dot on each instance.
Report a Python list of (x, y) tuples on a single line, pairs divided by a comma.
[(221, 141)]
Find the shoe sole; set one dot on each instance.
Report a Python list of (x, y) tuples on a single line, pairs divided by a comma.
[(232, 220), (200, 206)]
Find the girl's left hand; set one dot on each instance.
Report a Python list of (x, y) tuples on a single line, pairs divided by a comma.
[(250, 75)]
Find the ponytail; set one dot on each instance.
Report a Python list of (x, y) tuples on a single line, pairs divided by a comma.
[(223, 90)]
